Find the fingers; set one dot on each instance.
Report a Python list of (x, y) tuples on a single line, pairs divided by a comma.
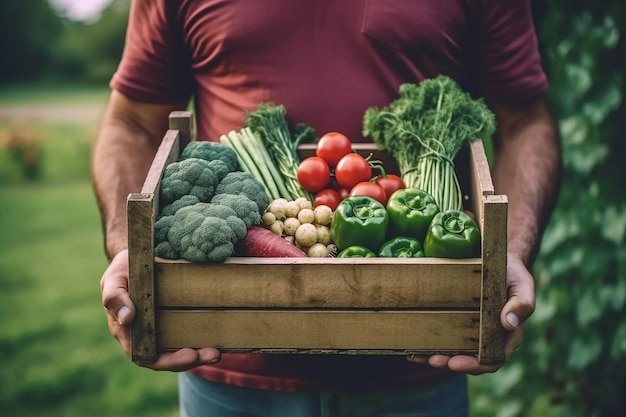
[(184, 359), (121, 333), (521, 295), (464, 364), (461, 363), (519, 306), (117, 304), (120, 312), (114, 286)]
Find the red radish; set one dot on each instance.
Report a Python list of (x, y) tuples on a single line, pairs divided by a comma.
[(264, 243)]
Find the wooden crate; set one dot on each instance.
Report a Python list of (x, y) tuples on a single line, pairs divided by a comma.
[(311, 305)]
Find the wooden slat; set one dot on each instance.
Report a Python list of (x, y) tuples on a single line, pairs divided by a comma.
[(140, 209), (494, 279), (480, 166), (168, 152), (491, 214), (182, 122), (280, 282), (321, 330), (480, 180)]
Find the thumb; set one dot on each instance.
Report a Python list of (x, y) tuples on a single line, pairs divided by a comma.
[(114, 286), (521, 290)]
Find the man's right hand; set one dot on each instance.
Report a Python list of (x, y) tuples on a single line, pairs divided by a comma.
[(120, 312)]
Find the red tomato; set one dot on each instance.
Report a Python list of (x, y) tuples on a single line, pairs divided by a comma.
[(370, 189), (313, 174), (332, 146), (327, 197), (390, 183), (351, 170)]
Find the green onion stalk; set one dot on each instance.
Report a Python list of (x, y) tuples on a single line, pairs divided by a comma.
[(268, 121), (254, 159)]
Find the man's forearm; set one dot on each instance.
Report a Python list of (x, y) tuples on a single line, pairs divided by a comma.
[(527, 169), (126, 145), (120, 162)]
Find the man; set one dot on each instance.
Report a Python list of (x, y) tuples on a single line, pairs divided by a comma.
[(326, 62)]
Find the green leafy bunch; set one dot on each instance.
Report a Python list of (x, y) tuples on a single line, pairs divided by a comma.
[(425, 128)]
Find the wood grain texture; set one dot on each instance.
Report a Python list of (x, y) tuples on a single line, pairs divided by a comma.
[(182, 122), (141, 276), (280, 282), (321, 330), (312, 305), (480, 167), (494, 293), (142, 211), (168, 152)]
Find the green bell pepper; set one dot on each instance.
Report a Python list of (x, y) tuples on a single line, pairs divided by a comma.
[(359, 220), (356, 251), (452, 234), (410, 212), (402, 247)]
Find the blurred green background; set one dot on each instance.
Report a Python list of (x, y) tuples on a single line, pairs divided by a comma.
[(58, 358)]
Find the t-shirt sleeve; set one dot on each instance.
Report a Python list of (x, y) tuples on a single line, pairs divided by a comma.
[(155, 65), (511, 67)]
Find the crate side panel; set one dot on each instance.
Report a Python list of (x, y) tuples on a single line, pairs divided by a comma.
[(168, 152), (480, 169), (450, 285), (479, 181), (294, 329), (142, 210), (141, 276), (494, 293)]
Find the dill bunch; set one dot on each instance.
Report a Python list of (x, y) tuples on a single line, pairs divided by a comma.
[(424, 129)]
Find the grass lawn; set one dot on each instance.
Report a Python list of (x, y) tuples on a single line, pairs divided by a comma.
[(58, 357), (52, 94)]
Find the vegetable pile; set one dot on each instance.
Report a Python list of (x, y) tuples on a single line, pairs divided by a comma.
[(251, 195), (302, 225), (363, 228), (336, 172), (424, 129)]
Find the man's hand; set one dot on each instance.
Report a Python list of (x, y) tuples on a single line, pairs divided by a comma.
[(519, 306), (120, 312)]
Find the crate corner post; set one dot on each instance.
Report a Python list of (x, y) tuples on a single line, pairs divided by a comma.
[(494, 292), (182, 121), (141, 286)]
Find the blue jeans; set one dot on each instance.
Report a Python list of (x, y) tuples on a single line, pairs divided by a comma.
[(201, 398)]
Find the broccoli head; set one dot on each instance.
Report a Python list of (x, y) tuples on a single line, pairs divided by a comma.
[(186, 200), (191, 176), (165, 250), (211, 151), (241, 182), (204, 232), (246, 209), (161, 228)]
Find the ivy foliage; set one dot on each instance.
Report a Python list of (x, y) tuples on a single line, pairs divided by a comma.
[(573, 359)]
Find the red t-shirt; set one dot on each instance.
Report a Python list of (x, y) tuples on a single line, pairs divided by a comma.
[(326, 61)]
